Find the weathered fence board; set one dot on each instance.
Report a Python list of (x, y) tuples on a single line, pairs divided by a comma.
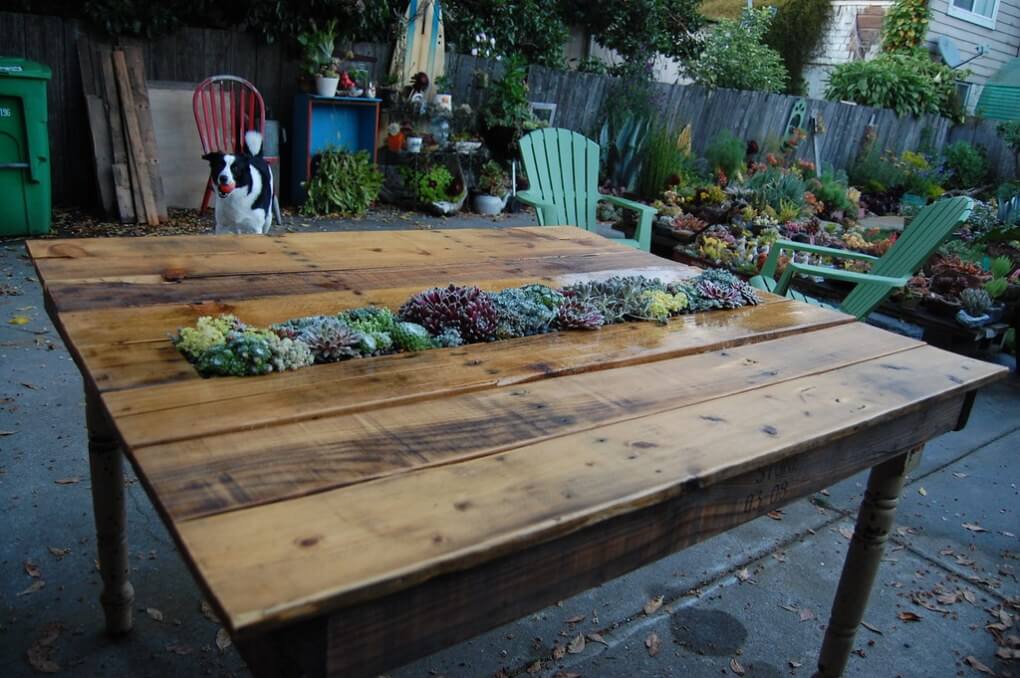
[(193, 54)]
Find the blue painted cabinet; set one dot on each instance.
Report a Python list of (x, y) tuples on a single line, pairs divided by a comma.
[(320, 122)]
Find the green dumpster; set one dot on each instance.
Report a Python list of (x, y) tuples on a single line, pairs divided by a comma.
[(24, 148)]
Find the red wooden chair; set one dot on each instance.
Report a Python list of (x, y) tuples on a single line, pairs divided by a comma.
[(226, 107)]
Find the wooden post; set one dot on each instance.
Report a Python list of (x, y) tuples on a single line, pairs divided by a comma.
[(106, 466), (874, 522)]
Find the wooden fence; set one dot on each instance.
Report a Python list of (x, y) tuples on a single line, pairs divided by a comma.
[(193, 54)]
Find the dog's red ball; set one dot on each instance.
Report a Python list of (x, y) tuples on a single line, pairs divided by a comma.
[(226, 188)]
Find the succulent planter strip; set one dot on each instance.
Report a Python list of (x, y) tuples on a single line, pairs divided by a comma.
[(449, 316)]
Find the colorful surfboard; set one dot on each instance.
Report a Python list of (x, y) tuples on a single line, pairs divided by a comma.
[(420, 45)]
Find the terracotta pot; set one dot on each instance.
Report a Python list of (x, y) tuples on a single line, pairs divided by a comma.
[(395, 142)]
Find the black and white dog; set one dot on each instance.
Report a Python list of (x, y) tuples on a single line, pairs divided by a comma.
[(244, 188)]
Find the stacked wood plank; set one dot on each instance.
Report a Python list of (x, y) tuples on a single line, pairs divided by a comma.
[(123, 139)]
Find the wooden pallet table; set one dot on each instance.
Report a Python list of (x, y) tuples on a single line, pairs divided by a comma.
[(348, 518)]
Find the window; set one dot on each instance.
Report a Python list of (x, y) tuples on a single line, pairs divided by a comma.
[(980, 12)]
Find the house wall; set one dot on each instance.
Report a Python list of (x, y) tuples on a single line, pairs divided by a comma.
[(1003, 42)]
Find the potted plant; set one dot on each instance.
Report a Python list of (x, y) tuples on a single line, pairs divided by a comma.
[(318, 57), (506, 110), (443, 98), (388, 90), (493, 187), (996, 287), (975, 304)]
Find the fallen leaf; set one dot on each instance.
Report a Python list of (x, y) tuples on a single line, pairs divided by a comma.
[(775, 515), (923, 492), (58, 553), (652, 644), (806, 614), (223, 640), (948, 598), (795, 664), (847, 533), (653, 605), (961, 476), (597, 638), (576, 646), (736, 667), (534, 667), (33, 587), (576, 619), (1004, 533), (73, 480), (40, 652), (31, 386), (1007, 653), (155, 614), (18, 320), (208, 613), (970, 597), (908, 616), (973, 662), (181, 650), (7, 433), (873, 629), (558, 652), (31, 569), (974, 527)]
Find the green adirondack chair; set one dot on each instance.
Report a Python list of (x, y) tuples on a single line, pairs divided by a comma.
[(563, 171), (891, 271)]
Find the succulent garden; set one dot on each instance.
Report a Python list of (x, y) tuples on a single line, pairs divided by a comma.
[(728, 209), (449, 316)]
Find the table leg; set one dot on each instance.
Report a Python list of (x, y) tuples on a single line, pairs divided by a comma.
[(874, 522), (106, 466)]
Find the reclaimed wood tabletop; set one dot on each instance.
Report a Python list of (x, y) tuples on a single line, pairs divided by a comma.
[(349, 517)]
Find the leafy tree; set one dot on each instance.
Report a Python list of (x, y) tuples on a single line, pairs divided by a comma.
[(736, 57), (532, 29), (637, 29), (796, 33)]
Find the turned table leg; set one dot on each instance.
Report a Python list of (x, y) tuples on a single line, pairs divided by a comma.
[(874, 522), (106, 466)]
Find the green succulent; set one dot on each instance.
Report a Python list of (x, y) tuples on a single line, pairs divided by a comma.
[(524, 311), (412, 337), (616, 299)]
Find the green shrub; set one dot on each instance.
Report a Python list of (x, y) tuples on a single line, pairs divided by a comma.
[(831, 188), (344, 183), (663, 161), (777, 189), (968, 165), (908, 83), (796, 34), (736, 57), (726, 153), (905, 26), (876, 172)]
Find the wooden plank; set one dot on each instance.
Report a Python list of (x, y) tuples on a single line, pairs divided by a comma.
[(178, 259), (312, 554), (140, 95), (143, 291), (126, 209), (139, 163), (200, 477), (102, 151), (373, 637)]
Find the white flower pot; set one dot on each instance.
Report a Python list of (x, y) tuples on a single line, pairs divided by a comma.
[(414, 144), (326, 87), (484, 203)]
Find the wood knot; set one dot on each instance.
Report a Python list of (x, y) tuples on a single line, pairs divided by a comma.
[(308, 542), (174, 274)]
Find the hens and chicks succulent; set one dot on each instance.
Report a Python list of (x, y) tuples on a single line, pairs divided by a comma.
[(450, 316)]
